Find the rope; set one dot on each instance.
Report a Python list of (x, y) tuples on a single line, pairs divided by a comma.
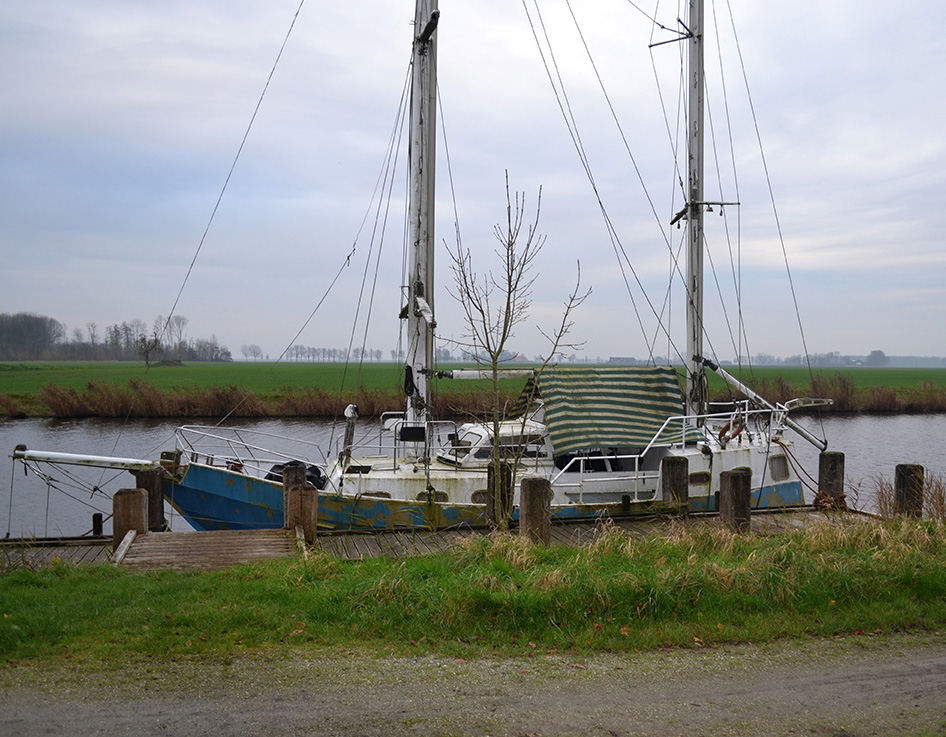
[(768, 181), (213, 213), (236, 158), (561, 97), (384, 183)]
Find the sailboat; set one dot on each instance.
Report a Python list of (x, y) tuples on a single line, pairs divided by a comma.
[(603, 437)]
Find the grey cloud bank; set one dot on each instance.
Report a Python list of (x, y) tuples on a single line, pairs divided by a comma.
[(121, 120)]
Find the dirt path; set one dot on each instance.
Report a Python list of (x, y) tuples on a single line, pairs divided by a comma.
[(854, 687)]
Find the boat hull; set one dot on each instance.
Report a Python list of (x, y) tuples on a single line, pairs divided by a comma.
[(211, 498)]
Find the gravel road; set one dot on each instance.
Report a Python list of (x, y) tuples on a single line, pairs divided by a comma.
[(857, 686)]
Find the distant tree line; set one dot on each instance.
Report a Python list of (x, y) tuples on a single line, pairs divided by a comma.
[(874, 359), (29, 337)]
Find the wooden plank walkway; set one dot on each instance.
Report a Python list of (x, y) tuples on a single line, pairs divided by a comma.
[(221, 549), (182, 551), (40, 553)]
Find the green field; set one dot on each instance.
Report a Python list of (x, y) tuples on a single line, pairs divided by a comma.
[(77, 389), (264, 377)]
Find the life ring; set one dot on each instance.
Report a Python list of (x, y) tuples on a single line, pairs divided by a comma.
[(730, 430)]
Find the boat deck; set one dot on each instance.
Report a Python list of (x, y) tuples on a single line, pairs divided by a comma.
[(221, 549)]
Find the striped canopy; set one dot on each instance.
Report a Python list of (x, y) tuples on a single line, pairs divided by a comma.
[(624, 406)]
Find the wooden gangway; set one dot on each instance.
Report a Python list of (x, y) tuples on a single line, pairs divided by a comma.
[(215, 549)]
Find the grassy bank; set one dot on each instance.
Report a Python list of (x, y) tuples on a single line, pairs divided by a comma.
[(696, 586), (257, 389)]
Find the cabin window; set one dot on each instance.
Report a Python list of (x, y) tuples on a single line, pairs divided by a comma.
[(532, 446), (700, 478), (778, 468), (479, 497), (591, 462), (438, 496), (377, 494), (460, 448)]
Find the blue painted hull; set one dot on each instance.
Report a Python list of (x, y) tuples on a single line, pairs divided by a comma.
[(217, 499)]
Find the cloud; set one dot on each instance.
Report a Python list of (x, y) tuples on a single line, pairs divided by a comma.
[(122, 119)]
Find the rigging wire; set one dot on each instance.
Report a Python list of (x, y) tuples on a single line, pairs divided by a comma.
[(778, 223), (385, 182), (565, 108), (742, 339), (379, 186), (213, 213), (236, 158)]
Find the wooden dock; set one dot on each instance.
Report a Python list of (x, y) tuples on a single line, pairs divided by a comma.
[(42, 552), (189, 551), (183, 551)]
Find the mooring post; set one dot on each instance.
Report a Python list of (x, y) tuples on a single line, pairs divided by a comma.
[(129, 512), (293, 482), (675, 480), (309, 511), (499, 495), (735, 493), (831, 480), (152, 482), (535, 509), (908, 490), (97, 526)]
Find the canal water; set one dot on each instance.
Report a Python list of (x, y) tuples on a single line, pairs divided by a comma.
[(63, 503)]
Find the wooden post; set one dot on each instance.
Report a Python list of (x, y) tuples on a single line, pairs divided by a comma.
[(152, 482), (129, 512), (675, 480), (908, 490), (499, 495), (97, 526), (306, 505), (831, 475), (735, 492), (293, 482), (535, 509), (831, 481)]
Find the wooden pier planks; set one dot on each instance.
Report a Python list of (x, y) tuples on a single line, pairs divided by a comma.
[(207, 550), (224, 548), (46, 552)]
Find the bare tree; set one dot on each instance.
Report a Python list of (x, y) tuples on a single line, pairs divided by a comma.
[(177, 335), (496, 302), (148, 346)]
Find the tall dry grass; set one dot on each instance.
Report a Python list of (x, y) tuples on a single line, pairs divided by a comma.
[(934, 497), (837, 387), (139, 399), (882, 399), (10, 407)]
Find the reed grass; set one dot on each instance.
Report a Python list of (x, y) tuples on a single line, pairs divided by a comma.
[(934, 497), (11, 407), (141, 399), (696, 586)]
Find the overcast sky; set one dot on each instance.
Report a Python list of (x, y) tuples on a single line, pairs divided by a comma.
[(119, 120)]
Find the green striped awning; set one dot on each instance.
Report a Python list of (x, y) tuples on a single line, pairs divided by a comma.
[(604, 407)]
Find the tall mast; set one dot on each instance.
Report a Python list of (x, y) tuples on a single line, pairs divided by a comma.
[(420, 297), (695, 392)]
